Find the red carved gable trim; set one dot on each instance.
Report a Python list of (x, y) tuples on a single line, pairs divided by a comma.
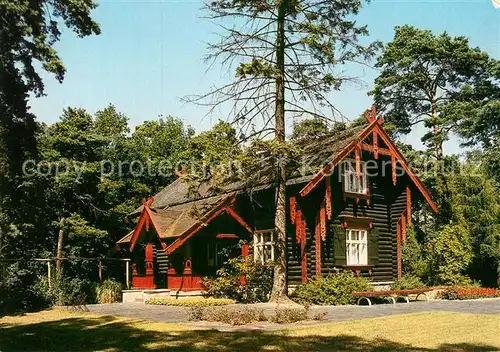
[(375, 129)]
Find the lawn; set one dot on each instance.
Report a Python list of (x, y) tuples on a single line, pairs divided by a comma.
[(56, 330)]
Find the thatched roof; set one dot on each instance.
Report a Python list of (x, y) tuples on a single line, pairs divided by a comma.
[(176, 208), (175, 220), (315, 154)]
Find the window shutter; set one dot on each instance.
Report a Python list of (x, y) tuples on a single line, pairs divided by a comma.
[(339, 244), (373, 246)]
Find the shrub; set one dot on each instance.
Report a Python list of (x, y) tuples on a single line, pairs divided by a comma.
[(228, 316), (412, 256), (408, 282), (19, 290), (450, 254), (259, 281), (110, 291), (461, 293), (335, 289), (189, 302), (65, 291), (288, 315), (251, 315)]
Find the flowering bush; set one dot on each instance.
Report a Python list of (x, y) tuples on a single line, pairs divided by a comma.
[(469, 293), (228, 284)]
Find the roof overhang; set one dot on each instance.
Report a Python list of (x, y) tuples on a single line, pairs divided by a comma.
[(224, 206), (373, 127)]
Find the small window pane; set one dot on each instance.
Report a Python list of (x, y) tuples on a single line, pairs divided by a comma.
[(264, 246), (356, 247)]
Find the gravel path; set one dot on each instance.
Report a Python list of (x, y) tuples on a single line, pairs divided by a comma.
[(334, 313)]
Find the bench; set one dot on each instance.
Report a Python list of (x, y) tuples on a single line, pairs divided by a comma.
[(393, 295)]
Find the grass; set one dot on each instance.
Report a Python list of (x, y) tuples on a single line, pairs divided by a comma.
[(57, 330)]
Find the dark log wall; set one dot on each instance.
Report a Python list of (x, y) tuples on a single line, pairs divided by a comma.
[(386, 205), (397, 207)]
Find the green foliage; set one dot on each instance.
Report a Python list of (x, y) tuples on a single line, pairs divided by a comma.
[(408, 282), (29, 32), (475, 202), (66, 291), (422, 74), (228, 283), (110, 291), (335, 289), (19, 291), (413, 262), (189, 302), (450, 254)]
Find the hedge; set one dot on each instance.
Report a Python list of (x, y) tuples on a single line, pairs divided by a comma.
[(189, 302)]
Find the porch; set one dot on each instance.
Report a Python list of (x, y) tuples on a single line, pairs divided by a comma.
[(181, 273)]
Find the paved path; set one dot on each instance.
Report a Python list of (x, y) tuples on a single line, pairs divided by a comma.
[(334, 313)]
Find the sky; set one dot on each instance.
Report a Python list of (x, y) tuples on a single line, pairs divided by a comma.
[(150, 54)]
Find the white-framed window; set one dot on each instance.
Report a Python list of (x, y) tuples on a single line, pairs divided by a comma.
[(356, 247), (352, 183), (264, 244)]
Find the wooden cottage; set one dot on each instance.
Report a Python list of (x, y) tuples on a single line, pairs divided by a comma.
[(349, 205)]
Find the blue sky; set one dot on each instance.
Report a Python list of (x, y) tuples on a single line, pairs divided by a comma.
[(150, 53)]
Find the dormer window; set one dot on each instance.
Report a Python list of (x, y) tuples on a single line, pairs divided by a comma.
[(352, 183)]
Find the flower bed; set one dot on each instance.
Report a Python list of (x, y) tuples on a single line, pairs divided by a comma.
[(469, 293), (189, 302)]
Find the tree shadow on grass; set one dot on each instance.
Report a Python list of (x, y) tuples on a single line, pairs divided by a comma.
[(108, 333)]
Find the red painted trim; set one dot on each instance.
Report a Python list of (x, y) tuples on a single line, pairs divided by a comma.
[(303, 252), (408, 205), (328, 197), (145, 219), (326, 170), (149, 259), (373, 115), (398, 251), (425, 192), (293, 207), (317, 232), (226, 235), (357, 156), (137, 230), (238, 218), (244, 250), (354, 223), (298, 225), (375, 150), (393, 167), (322, 220), (376, 127), (143, 282), (403, 227)]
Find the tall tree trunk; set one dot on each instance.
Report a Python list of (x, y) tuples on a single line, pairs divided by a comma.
[(438, 143), (60, 241), (279, 291)]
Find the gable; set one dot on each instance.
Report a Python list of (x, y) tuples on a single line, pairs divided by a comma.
[(373, 133)]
